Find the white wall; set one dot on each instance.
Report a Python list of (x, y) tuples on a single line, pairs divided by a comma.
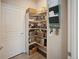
[(2, 51), (13, 29), (42, 3), (57, 44), (54, 46), (53, 2), (54, 41), (64, 23)]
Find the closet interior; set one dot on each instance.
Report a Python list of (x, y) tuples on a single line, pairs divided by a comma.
[(37, 31)]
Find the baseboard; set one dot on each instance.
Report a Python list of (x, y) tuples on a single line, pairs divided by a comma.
[(17, 55)]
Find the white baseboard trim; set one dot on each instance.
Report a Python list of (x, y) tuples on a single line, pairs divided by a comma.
[(17, 55)]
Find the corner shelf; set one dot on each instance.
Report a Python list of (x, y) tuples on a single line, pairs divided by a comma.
[(32, 43), (37, 44), (37, 30), (40, 47), (37, 21)]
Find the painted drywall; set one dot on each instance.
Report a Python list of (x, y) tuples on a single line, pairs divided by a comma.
[(42, 4), (13, 30), (0, 33), (2, 50), (64, 23), (53, 2), (57, 44), (54, 46), (54, 41)]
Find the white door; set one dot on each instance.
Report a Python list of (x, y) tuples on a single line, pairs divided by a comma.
[(13, 19)]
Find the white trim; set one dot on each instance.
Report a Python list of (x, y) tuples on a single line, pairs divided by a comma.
[(72, 31)]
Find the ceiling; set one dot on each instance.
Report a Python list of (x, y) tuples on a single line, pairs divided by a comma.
[(23, 3)]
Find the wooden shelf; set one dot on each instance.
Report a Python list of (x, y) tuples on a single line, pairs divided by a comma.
[(37, 44), (44, 37), (41, 45), (32, 43), (37, 28), (43, 50), (37, 20)]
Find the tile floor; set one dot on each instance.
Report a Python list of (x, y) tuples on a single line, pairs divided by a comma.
[(34, 56)]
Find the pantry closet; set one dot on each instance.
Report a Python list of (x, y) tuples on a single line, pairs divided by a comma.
[(36, 24)]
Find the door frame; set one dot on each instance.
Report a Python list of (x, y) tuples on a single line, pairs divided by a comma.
[(72, 29)]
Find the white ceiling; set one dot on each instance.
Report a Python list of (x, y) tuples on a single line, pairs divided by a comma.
[(14, 1), (22, 3)]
